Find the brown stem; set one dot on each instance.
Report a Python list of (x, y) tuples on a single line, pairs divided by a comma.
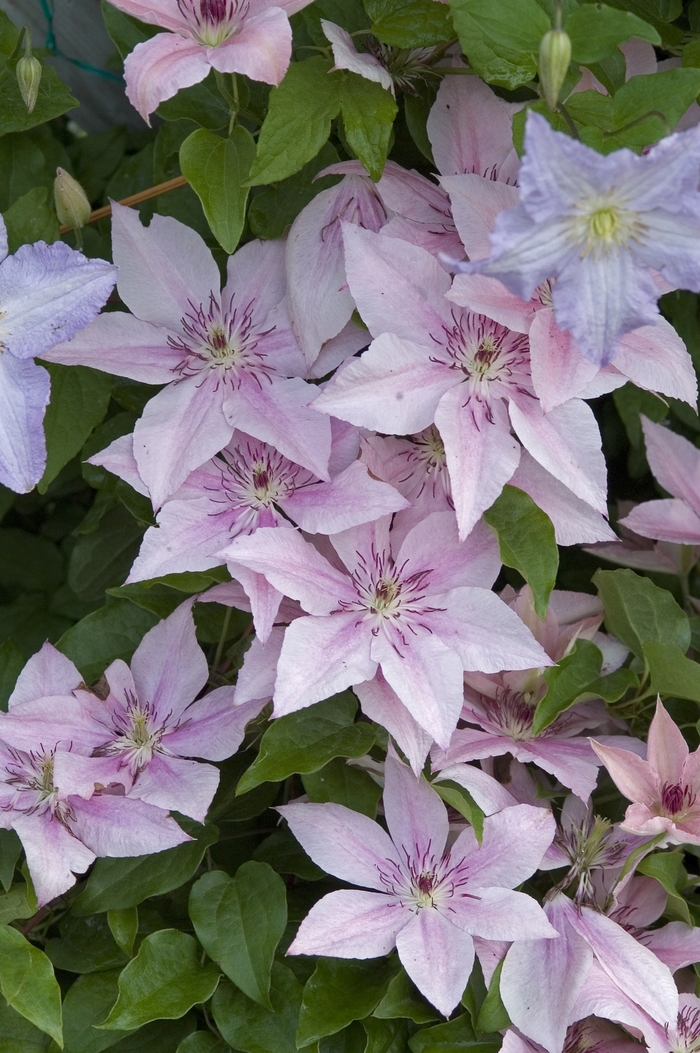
[(39, 916), (134, 199)]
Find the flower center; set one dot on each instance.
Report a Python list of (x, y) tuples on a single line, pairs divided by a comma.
[(491, 358), (676, 799), (601, 225), (387, 596), (214, 21), (426, 466), (31, 775), (687, 1038), (513, 712), (222, 338), (137, 736)]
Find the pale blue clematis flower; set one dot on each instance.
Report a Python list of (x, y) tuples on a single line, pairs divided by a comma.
[(47, 293), (600, 226)]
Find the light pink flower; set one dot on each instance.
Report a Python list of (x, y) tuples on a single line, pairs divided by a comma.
[(664, 788), (641, 553), (421, 610), (675, 463), (143, 734), (228, 359), (432, 362), (346, 56), (64, 826), (250, 485), (426, 900), (252, 37)]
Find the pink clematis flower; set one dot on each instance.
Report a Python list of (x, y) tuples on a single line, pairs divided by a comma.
[(228, 359), (252, 37), (541, 981), (500, 707), (143, 734), (423, 620), (64, 826), (675, 463), (641, 553), (426, 900), (417, 467), (250, 485), (663, 788), (585, 1035), (431, 362)]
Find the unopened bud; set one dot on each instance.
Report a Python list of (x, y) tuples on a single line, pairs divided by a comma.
[(29, 78), (72, 205), (555, 56)]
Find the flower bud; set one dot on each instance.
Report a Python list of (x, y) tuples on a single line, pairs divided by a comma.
[(29, 77), (72, 205), (555, 56)]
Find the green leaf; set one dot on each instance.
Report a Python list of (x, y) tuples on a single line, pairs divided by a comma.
[(215, 168), (124, 925), (30, 219), (85, 945), (386, 1036), (115, 884), (342, 783), (668, 869), (105, 556), (10, 851), (250, 1027), (352, 1039), (305, 741), (162, 1036), (79, 400), (125, 32), (526, 541), (22, 168), (671, 672), (596, 30), (670, 92), (275, 208), (53, 100), (410, 25), (11, 665), (28, 560), (461, 800), (566, 680), (638, 612), (114, 631), (368, 116), (611, 687), (512, 28), (14, 904), (202, 1042), (403, 999), (483, 59), (340, 991), (240, 921), (493, 1015), (28, 983), (17, 1035), (285, 855), (163, 981), (88, 1001), (201, 103), (298, 121), (458, 1034)]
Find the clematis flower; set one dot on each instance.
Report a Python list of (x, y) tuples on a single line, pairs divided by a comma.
[(541, 981), (143, 734), (417, 467), (346, 56), (47, 293), (228, 359), (426, 900), (432, 362), (252, 37), (675, 463), (421, 619), (62, 825), (663, 788), (653, 357), (500, 707), (585, 1035), (601, 226), (249, 485)]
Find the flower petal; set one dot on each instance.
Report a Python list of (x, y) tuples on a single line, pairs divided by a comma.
[(437, 956), (169, 666), (121, 344), (24, 395), (157, 68), (260, 49), (351, 924), (48, 672), (414, 812), (53, 854)]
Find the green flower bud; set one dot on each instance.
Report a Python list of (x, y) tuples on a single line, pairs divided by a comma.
[(29, 78), (72, 205), (555, 56)]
